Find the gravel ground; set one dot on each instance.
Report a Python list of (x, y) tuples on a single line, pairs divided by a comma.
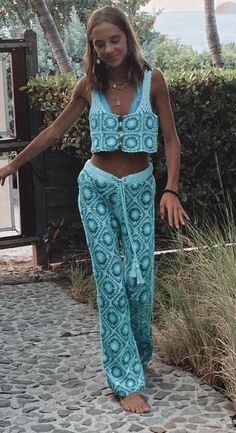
[(51, 376)]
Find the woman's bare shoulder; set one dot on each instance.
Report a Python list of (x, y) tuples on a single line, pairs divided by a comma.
[(158, 79), (159, 87), (159, 91), (82, 89)]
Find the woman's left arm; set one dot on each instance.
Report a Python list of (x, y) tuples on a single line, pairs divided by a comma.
[(169, 204)]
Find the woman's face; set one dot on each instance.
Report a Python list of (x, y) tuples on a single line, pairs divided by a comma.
[(110, 44)]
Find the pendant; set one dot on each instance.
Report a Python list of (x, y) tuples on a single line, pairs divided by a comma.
[(118, 102)]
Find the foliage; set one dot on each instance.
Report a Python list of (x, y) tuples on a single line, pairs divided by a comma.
[(175, 56), (65, 235), (46, 61), (195, 306), (204, 105), (12, 12), (15, 11), (149, 49), (60, 11), (229, 55), (50, 95), (75, 41)]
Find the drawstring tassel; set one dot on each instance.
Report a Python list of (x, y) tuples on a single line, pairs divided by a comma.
[(135, 271)]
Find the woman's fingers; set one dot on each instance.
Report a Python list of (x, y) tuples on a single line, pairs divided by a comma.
[(170, 213), (176, 215), (2, 178), (184, 217), (177, 218), (4, 172)]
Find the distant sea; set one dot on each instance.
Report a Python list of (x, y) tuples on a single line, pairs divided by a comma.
[(189, 27)]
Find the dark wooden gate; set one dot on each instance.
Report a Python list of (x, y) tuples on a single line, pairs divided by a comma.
[(47, 184), (24, 65)]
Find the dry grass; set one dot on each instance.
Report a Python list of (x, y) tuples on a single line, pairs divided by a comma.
[(83, 287), (195, 309)]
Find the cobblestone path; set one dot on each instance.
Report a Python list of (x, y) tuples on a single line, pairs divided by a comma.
[(51, 377)]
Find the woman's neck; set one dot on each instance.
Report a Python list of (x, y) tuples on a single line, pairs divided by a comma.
[(118, 74)]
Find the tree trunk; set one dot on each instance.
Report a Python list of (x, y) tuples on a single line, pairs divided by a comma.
[(212, 34), (52, 36)]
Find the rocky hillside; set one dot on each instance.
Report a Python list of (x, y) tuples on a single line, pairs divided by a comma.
[(226, 8)]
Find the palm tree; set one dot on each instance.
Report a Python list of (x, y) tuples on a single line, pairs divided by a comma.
[(52, 35), (212, 34)]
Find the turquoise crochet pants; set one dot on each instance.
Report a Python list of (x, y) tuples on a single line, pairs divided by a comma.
[(118, 218)]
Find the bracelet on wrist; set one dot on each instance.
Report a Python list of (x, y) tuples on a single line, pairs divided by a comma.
[(171, 191)]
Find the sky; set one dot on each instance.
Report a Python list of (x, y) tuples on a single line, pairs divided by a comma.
[(179, 5)]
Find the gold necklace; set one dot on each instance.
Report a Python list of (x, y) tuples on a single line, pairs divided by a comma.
[(121, 85)]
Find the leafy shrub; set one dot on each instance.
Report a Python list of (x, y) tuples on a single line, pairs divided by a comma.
[(229, 55), (173, 55), (204, 105), (176, 56), (50, 95)]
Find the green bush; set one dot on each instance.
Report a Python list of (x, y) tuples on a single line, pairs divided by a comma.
[(204, 105), (50, 95), (229, 55), (173, 55), (176, 56)]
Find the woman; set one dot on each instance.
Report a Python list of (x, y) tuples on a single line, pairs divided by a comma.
[(127, 98)]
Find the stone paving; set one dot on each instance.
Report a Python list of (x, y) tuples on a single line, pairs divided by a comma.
[(51, 377)]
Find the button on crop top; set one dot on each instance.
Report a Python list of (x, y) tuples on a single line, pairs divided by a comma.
[(134, 132)]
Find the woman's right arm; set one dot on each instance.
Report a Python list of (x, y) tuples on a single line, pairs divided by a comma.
[(53, 133)]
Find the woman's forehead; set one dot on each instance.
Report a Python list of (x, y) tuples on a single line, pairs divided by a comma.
[(104, 30)]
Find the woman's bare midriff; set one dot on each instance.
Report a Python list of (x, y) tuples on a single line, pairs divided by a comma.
[(120, 163)]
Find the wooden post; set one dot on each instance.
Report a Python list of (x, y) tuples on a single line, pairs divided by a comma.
[(40, 254)]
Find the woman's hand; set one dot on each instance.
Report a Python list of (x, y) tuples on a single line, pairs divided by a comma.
[(4, 172), (171, 207)]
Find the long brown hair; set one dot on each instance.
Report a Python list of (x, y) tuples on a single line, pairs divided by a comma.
[(97, 73)]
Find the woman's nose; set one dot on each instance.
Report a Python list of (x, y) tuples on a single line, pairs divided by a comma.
[(108, 48)]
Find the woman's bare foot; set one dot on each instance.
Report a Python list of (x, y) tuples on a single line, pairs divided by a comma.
[(135, 403)]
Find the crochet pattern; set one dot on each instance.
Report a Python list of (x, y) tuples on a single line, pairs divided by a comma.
[(134, 132), (118, 217)]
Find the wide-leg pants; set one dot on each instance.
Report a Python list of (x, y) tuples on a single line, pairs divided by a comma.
[(118, 218)]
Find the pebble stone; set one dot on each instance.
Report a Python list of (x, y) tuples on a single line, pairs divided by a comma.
[(51, 377)]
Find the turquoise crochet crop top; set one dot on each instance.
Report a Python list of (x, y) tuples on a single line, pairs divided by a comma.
[(134, 132)]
